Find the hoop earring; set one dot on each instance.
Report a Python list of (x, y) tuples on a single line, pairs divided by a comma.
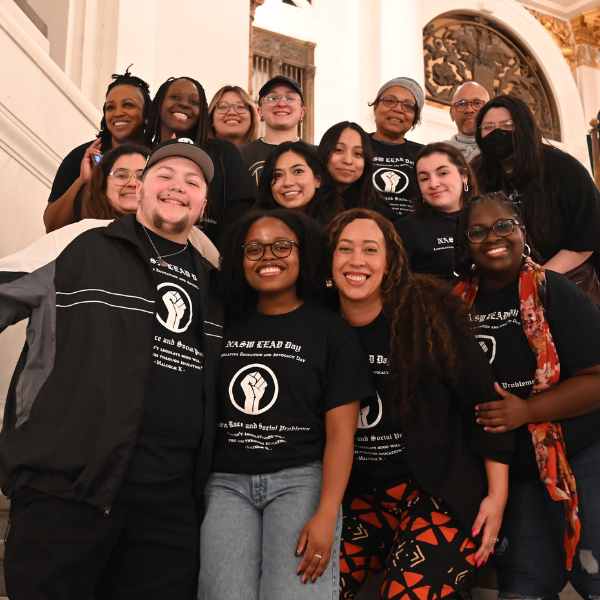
[(391, 286), (466, 186), (527, 252), (330, 284), (262, 119), (300, 119)]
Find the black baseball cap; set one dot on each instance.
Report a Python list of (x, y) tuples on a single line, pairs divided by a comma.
[(283, 80), (187, 149)]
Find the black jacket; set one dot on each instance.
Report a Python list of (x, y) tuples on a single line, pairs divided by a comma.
[(76, 398)]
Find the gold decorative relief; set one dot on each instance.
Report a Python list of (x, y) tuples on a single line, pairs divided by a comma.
[(560, 32)]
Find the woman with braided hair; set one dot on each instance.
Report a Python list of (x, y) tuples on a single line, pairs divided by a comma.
[(125, 113), (540, 332), (180, 109), (428, 484)]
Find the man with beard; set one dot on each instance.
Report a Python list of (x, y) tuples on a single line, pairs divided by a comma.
[(468, 100), (110, 416)]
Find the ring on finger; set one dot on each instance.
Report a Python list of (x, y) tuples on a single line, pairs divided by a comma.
[(496, 539), (318, 556)]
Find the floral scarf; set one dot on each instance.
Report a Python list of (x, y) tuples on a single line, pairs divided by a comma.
[(547, 437)]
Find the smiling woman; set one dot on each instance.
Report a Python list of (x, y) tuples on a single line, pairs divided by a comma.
[(233, 116), (125, 113), (289, 408)]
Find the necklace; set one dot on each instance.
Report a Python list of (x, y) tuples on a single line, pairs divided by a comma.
[(161, 262)]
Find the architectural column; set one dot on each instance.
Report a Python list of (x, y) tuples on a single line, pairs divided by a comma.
[(401, 44), (254, 4)]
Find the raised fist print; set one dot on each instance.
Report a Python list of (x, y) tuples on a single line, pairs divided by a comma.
[(253, 386)]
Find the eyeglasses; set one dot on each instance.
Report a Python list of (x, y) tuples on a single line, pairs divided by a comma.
[(280, 249), (241, 108), (504, 126), (123, 176), (391, 102), (461, 105), (502, 228), (273, 99)]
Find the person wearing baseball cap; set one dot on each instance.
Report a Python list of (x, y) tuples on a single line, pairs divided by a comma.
[(110, 421), (281, 108), (397, 109)]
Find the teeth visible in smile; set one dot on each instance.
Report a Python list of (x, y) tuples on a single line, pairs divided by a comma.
[(181, 116), (292, 194), (269, 270), (171, 201), (120, 123), (232, 121), (496, 251), (359, 278)]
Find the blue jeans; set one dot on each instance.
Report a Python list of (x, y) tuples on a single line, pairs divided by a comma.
[(530, 557), (250, 532)]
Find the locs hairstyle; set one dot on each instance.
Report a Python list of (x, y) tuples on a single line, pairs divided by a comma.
[(462, 255), (239, 299), (325, 204), (362, 193), (96, 204), (456, 158), (125, 79), (426, 316), (198, 133), (528, 172), (252, 132)]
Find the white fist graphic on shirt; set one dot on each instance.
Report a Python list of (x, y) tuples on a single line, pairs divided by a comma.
[(176, 308), (253, 386), (391, 180)]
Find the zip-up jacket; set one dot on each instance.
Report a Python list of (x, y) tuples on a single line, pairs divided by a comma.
[(76, 399)]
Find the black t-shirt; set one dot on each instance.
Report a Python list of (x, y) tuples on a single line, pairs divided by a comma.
[(394, 173), (67, 173), (429, 242), (256, 153), (172, 422), (379, 456), (230, 183), (278, 377), (574, 322), (574, 220)]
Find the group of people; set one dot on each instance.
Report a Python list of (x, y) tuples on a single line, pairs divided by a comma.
[(261, 369)]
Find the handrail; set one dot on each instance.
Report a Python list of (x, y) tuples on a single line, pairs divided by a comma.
[(595, 150)]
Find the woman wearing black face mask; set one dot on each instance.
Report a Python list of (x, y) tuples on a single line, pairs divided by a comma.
[(556, 195)]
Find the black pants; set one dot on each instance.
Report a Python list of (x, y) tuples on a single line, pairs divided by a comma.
[(146, 548)]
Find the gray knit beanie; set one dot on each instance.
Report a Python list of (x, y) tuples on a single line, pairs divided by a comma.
[(410, 84)]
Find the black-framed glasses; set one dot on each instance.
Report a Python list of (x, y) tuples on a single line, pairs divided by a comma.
[(391, 102), (241, 108), (273, 99), (123, 176), (461, 105), (504, 126), (502, 228), (280, 249)]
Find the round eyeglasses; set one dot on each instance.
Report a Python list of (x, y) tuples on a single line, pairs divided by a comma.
[(123, 176), (461, 105), (241, 108), (406, 105), (280, 249), (502, 228)]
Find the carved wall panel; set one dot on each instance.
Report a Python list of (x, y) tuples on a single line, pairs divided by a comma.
[(462, 47)]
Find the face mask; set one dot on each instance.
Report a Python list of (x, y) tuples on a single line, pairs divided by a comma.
[(498, 144)]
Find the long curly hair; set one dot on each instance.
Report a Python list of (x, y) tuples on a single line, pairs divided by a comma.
[(426, 316), (456, 158), (324, 205), (362, 193), (123, 79), (198, 133), (239, 299), (252, 133), (96, 204)]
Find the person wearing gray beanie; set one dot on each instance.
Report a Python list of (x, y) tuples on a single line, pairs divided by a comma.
[(397, 109)]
